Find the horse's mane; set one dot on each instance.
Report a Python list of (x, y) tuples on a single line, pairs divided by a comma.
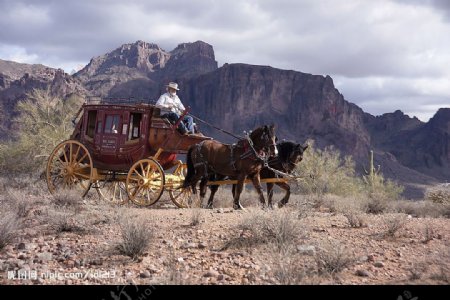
[(285, 148)]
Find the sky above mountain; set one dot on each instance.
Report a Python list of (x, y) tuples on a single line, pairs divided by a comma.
[(383, 55)]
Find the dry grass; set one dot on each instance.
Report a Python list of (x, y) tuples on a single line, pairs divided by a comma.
[(136, 236), (280, 228), (355, 219), (393, 224), (417, 270), (18, 201), (8, 225), (196, 216), (377, 204), (65, 220), (421, 209), (332, 258), (287, 268), (67, 198), (429, 233)]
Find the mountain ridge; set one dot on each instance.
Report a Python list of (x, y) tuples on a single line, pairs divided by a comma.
[(241, 96)]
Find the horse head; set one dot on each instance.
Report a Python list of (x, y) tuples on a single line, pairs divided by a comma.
[(264, 140), (290, 154), (296, 155)]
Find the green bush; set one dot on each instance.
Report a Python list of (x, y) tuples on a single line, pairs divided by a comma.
[(325, 172), (43, 121)]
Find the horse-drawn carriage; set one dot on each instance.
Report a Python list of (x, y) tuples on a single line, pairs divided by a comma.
[(122, 150)]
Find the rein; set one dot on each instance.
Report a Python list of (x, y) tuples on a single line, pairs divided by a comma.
[(217, 128)]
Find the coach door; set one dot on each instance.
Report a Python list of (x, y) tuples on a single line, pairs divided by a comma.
[(109, 136)]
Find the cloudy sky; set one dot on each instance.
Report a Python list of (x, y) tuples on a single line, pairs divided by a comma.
[(382, 55)]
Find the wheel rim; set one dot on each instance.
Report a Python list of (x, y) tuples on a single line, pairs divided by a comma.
[(145, 182), (69, 167), (114, 192), (183, 198)]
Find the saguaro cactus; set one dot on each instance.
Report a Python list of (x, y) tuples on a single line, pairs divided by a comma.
[(372, 174)]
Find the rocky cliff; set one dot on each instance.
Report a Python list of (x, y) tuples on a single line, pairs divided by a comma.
[(140, 69), (424, 147), (239, 97), (16, 80)]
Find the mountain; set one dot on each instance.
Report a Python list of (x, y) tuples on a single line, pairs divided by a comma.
[(16, 80), (138, 69), (424, 147), (238, 97)]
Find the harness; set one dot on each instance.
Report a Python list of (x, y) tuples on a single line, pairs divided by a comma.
[(249, 152), (284, 165)]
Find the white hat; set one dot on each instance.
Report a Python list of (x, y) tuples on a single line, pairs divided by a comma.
[(173, 85)]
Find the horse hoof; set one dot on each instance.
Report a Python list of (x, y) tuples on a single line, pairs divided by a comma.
[(238, 207), (208, 206), (281, 204)]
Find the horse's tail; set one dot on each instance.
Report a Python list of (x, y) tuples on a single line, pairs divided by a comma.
[(190, 168)]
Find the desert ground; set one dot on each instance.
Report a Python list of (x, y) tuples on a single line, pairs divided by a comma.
[(66, 240)]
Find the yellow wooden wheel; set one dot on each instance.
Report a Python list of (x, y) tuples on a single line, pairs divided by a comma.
[(69, 167), (145, 182), (114, 192), (183, 198)]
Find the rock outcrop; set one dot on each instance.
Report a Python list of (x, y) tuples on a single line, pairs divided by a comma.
[(424, 147), (140, 69), (20, 79), (239, 97)]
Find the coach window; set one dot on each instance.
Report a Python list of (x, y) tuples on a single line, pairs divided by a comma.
[(90, 129), (112, 124), (135, 121)]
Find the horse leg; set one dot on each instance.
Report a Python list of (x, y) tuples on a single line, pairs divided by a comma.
[(203, 188), (285, 199), (269, 186), (257, 184), (238, 190), (213, 189)]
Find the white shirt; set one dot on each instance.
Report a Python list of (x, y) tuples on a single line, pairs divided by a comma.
[(167, 103)]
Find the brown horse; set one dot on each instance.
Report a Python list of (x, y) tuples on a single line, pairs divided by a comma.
[(289, 155), (241, 160)]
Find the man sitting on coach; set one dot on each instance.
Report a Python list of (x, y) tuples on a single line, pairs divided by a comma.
[(172, 108)]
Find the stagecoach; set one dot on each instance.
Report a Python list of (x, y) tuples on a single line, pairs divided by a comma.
[(126, 151)]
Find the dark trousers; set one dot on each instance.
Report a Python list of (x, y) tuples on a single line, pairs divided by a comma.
[(186, 125)]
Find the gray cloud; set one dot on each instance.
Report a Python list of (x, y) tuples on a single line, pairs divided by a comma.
[(383, 55)]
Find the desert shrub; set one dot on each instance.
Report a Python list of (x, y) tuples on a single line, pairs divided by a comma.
[(18, 202), (355, 219), (326, 172), (394, 224), (383, 190), (280, 228), (421, 209), (376, 205), (43, 121), (287, 268), (136, 236), (69, 197), (196, 216), (417, 270), (8, 225), (65, 220), (439, 194), (331, 257)]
